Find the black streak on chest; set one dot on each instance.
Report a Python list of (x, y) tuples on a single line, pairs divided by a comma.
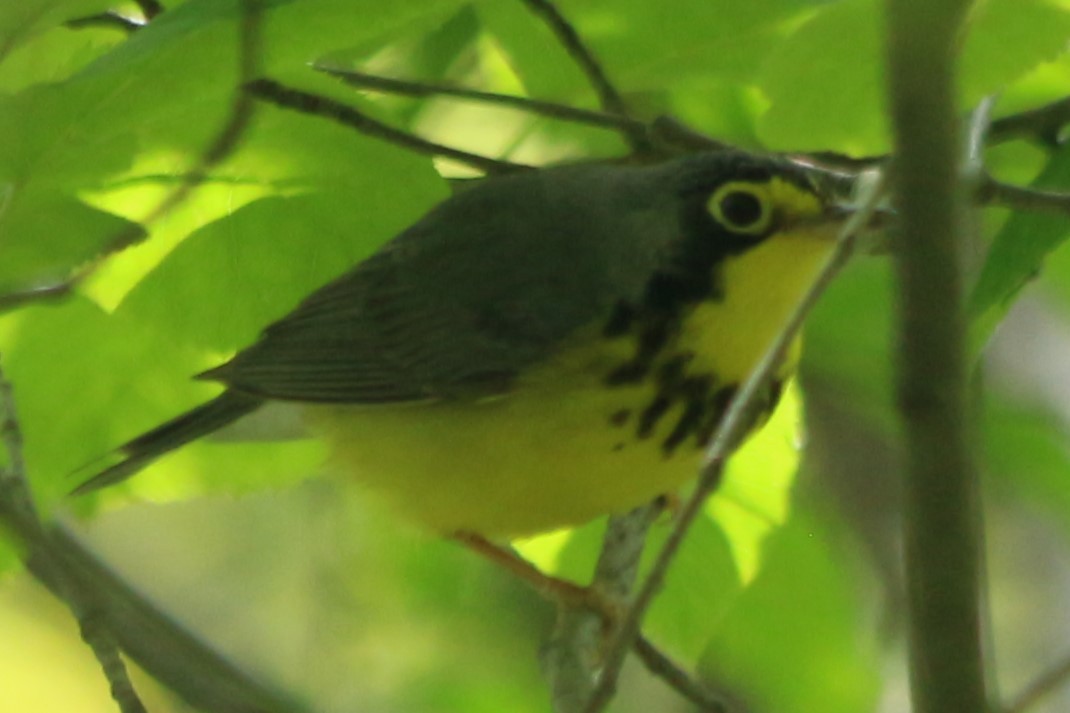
[(688, 277), (696, 400)]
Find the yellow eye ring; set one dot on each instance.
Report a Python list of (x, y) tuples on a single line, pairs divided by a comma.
[(744, 208)]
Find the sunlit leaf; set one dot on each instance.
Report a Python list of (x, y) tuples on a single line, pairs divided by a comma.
[(44, 238), (20, 21), (54, 55), (76, 354), (1017, 254), (824, 83), (754, 499), (792, 641), (1008, 38)]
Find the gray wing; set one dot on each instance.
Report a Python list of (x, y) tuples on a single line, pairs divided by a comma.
[(487, 283)]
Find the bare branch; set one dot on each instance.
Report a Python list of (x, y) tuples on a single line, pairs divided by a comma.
[(572, 657), (19, 515), (108, 20), (149, 8), (608, 96), (941, 514), (1044, 124), (661, 665), (993, 192), (551, 110), (162, 646), (271, 91)]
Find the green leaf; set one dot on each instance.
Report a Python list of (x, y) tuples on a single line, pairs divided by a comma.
[(54, 55), (43, 238), (825, 83), (1016, 255), (1026, 455), (701, 588), (9, 556), (849, 336), (754, 499), (76, 354), (643, 46), (228, 280), (20, 21), (792, 641), (167, 88), (1007, 39)]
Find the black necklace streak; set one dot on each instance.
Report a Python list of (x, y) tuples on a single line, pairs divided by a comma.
[(688, 278)]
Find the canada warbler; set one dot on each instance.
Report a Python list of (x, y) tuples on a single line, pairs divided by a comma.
[(542, 348)]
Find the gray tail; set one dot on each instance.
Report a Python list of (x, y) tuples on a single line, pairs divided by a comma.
[(217, 413)]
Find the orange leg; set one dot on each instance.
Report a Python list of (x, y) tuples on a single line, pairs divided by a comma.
[(558, 590)]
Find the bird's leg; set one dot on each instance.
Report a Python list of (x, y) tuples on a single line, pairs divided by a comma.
[(558, 590)]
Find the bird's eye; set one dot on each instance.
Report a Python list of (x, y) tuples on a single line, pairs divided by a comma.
[(742, 208)]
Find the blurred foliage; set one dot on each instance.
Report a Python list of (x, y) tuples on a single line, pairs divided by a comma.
[(780, 596)]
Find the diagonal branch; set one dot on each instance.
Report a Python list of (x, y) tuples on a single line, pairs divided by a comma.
[(1046, 684), (223, 144), (1044, 124), (289, 98), (739, 415), (608, 96), (19, 516), (550, 110), (1039, 200)]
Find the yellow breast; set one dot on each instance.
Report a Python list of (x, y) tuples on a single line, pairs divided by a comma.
[(564, 447)]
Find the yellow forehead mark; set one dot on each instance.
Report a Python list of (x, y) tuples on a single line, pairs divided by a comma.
[(793, 203)]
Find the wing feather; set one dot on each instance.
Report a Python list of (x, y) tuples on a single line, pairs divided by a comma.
[(484, 285)]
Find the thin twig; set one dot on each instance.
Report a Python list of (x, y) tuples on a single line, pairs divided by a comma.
[(149, 8), (614, 579), (110, 20), (548, 109), (19, 515), (622, 550), (608, 96), (993, 192), (738, 417), (1044, 686), (1046, 121), (287, 97), (110, 613), (978, 130), (241, 112), (661, 665), (941, 518), (163, 647), (224, 143), (572, 656), (671, 131), (1044, 124), (100, 639)]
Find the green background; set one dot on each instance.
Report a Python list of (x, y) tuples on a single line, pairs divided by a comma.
[(786, 594)]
